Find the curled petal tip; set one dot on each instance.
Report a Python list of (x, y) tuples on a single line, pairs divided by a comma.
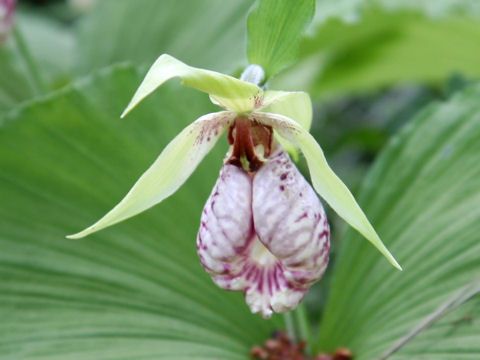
[(373, 237), (125, 112), (85, 232), (397, 265), (393, 261), (81, 234)]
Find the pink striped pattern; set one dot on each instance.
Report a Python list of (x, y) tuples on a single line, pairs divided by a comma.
[(264, 233)]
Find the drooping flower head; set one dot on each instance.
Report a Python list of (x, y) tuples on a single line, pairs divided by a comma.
[(264, 233), (263, 230)]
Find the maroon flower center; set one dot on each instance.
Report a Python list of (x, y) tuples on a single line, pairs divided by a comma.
[(249, 138)]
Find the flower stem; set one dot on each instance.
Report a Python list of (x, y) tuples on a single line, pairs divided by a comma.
[(289, 323), (298, 326), (38, 84), (303, 323)]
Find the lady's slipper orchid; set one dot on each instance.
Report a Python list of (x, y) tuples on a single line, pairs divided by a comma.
[(263, 229)]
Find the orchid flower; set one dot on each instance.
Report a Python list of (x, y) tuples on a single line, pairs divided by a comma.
[(263, 230)]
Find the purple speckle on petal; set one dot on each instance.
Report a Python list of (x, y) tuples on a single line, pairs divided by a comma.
[(260, 280), (303, 216), (253, 238)]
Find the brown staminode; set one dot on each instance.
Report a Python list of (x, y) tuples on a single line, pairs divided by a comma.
[(245, 135)]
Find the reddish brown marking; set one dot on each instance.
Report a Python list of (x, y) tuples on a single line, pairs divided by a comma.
[(226, 268), (303, 216), (274, 278), (244, 135), (207, 130), (324, 233), (269, 282), (250, 272), (260, 281), (258, 99)]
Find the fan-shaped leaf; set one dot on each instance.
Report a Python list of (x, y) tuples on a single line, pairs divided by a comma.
[(135, 291), (423, 197)]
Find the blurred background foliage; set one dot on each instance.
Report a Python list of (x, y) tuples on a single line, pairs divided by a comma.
[(373, 69)]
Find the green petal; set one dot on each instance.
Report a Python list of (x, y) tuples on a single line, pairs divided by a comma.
[(231, 93), (325, 181), (295, 105), (171, 169)]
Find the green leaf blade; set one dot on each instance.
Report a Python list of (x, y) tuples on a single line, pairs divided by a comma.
[(156, 27), (274, 30), (369, 46), (422, 195), (135, 291)]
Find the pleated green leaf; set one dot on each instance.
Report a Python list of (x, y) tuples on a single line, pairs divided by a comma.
[(136, 290), (19, 85), (422, 195), (140, 30), (36, 58), (373, 47), (274, 29), (351, 11), (137, 31)]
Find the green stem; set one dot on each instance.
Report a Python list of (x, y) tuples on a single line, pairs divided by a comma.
[(289, 323), (303, 324), (38, 84), (298, 326)]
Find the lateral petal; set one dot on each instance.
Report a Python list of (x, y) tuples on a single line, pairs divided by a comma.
[(227, 91), (324, 180), (295, 105), (169, 171)]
